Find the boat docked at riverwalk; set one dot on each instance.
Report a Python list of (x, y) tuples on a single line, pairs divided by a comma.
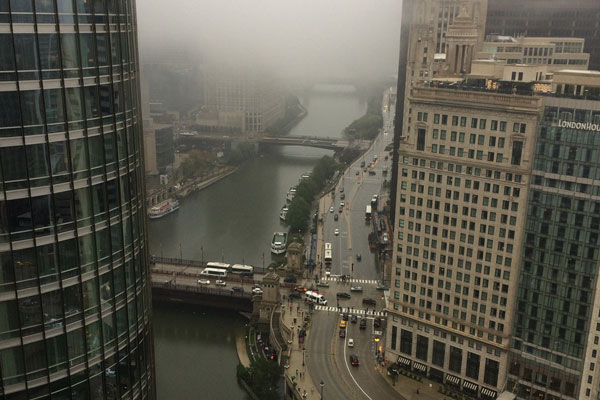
[(279, 243), (283, 213), (290, 194), (164, 208)]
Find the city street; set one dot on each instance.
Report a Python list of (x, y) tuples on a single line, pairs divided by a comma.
[(328, 354)]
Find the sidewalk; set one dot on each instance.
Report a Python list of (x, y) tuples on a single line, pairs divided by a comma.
[(242, 351), (407, 387), (294, 368)]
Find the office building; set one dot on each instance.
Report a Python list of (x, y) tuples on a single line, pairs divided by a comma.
[(548, 18), (460, 205), (75, 320), (557, 321)]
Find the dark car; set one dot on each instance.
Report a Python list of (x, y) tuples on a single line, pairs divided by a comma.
[(354, 360), (295, 295), (345, 316), (342, 295), (369, 301), (377, 322), (237, 289), (371, 172), (358, 257), (342, 333), (363, 323), (353, 318), (289, 279), (335, 217), (342, 196)]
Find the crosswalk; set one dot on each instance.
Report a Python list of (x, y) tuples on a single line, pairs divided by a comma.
[(339, 279), (351, 310)]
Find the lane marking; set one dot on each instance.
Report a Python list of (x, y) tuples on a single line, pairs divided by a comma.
[(351, 376)]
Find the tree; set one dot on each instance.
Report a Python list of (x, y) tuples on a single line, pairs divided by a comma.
[(297, 216), (263, 378)]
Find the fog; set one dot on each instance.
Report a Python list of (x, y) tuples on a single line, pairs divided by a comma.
[(307, 39)]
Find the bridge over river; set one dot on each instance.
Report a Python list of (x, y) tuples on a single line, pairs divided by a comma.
[(305, 141)]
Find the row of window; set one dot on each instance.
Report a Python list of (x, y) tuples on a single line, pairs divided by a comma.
[(476, 123)]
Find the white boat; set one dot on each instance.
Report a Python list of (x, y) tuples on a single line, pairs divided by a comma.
[(279, 243), (164, 208), (283, 212), (291, 193)]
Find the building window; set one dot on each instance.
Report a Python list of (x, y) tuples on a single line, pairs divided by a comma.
[(394, 336), (439, 351), (422, 347), (516, 152), (473, 365), (455, 360), (406, 342), (491, 372), (421, 139)]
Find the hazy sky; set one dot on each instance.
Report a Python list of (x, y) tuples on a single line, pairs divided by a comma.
[(295, 37)]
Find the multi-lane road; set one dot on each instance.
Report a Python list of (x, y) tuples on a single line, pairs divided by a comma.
[(328, 354)]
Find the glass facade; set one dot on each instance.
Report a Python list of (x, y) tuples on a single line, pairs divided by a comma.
[(74, 293), (559, 267)]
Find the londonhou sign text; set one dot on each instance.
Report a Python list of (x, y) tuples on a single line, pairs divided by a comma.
[(584, 126)]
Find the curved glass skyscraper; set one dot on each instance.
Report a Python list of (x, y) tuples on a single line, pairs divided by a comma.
[(74, 293)]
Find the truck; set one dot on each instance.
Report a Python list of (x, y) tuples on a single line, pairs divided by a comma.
[(368, 212)]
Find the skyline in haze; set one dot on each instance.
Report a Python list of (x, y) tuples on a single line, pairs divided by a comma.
[(296, 39)]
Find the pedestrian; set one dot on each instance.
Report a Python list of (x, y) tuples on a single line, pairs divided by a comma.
[(417, 390), (303, 372), (296, 372)]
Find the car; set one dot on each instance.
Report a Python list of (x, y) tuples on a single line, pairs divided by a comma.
[(353, 318), (345, 316), (342, 295), (357, 172), (330, 209), (350, 342), (342, 196), (354, 360), (369, 301), (335, 217), (289, 279), (362, 163), (203, 282), (358, 257), (237, 289), (377, 322), (372, 172), (294, 295), (300, 289), (356, 289), (341, 209), (257, 290), (342, 204), (363, 323), (336, 232), (342, 324), (323, 284), (385, 237), (220, 282), (342, 333), (342, 189), (381, 287)]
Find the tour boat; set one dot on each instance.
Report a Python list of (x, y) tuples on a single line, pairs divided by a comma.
[(279, 243), (164, 208), (291, 193), (283, 212)]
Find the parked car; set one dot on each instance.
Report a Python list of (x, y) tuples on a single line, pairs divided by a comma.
[(369, 301), (203, 282), (350, 342), (356, 289), (354, 360), (342, 295), (220, 282), (289, 279)]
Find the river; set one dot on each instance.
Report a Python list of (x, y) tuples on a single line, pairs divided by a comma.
[(233, 220)]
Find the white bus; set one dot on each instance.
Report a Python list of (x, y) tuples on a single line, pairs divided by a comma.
[(216, 272), (316, 298), (328, 258), (241, 269), (218, 265), (368, 212)]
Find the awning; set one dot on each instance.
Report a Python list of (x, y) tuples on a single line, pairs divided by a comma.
[(488, 393), (420, 367), (453, 379), (439, 56), (470, 385), (403, 360)]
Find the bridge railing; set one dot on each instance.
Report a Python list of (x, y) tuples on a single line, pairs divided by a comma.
[(202, 289), (192, 263)]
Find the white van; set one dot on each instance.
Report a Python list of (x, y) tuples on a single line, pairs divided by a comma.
[(315, 297)]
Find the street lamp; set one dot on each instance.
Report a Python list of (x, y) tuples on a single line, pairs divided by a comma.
[(321, 385), (303, 352)]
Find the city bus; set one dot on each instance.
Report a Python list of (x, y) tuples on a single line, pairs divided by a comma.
[(328, 253), (215, 272), (241, 269), (368, 212), (218, 265)]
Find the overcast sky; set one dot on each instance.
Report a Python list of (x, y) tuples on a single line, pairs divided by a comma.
[(346, 38)]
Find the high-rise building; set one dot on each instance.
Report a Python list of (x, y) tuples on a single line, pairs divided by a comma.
[(548, 18), (557, 322), (75, 317)]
